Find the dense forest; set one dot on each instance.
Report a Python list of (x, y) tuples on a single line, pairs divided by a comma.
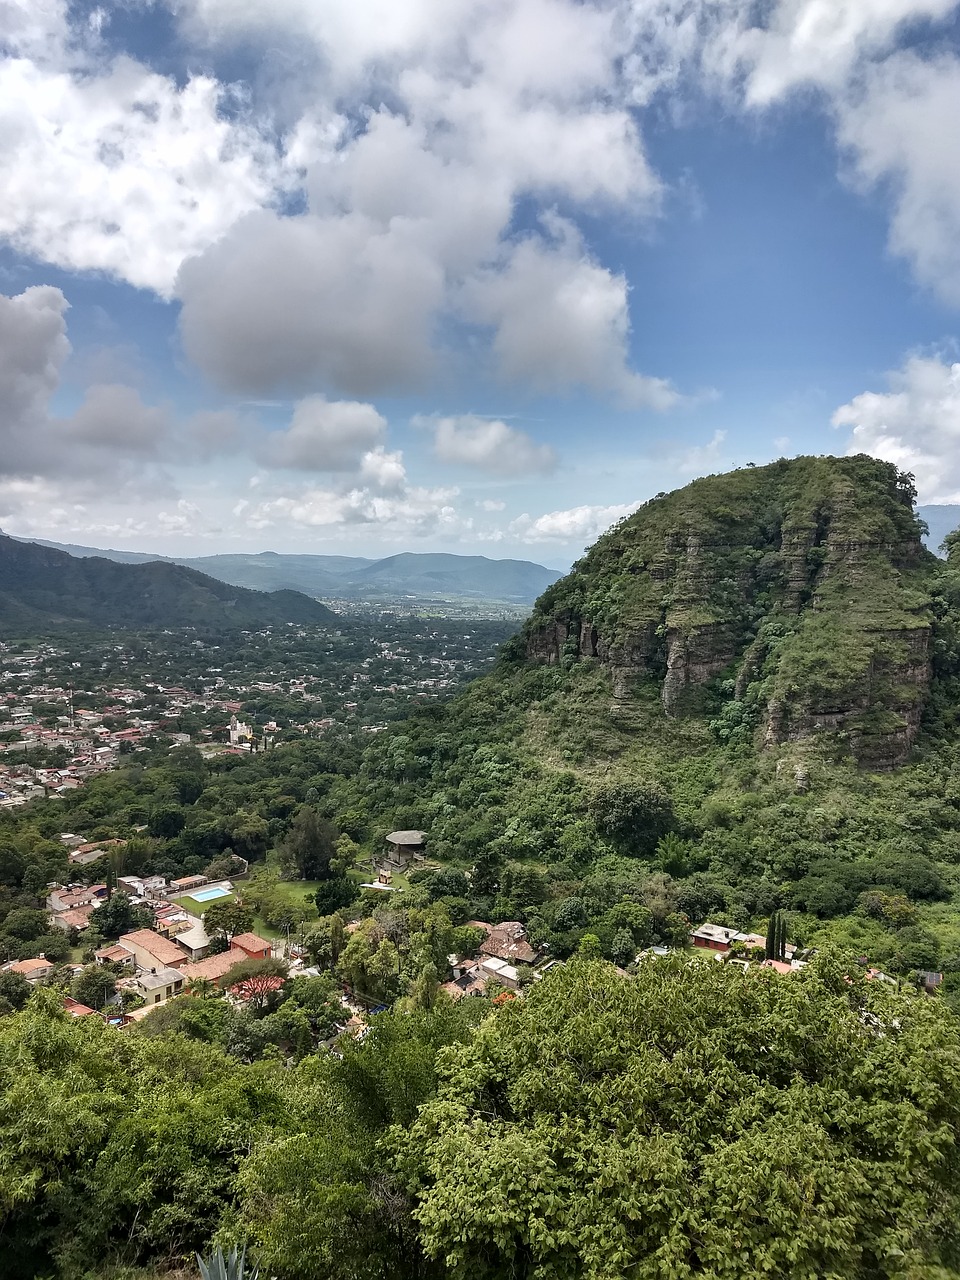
[(741, 705)]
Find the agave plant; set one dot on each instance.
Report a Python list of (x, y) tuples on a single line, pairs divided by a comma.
[(233, 1266)]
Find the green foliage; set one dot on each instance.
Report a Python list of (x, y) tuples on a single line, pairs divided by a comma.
[(694, 1121)]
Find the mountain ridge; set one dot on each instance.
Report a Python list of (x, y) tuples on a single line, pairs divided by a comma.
[(353, 577), (43, 586)]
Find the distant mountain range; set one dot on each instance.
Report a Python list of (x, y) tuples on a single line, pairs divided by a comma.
[(42, 586), (941, 519), (353, 577)]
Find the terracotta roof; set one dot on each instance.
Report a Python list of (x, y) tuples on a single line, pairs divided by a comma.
[(116, 953), (30, 966), (214, 967), (78, 918), (75, 1008), (251, 942), (162, 949)]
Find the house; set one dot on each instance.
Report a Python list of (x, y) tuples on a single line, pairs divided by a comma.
[(76, 1009), (508, 941), (403, 847), (930, 981), (155, 985), (67, 898), (194, 940), (153, 951), (713, 937), (495, 969), (115, 955), (779, 966), (33, 970), (185, 884), (78, 918), (214, 968), (253, 946)]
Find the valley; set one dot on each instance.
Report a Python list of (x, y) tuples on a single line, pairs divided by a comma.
[(337, 882)]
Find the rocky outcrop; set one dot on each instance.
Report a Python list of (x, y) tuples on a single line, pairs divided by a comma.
[(802, 582)]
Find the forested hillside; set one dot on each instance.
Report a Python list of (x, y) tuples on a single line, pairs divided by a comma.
[(741, 706), (41, 587)]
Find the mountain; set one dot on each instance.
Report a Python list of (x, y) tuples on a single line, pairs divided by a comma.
[(941, 519), (41, 586), (441, 574), (804, 583), (356, 577)]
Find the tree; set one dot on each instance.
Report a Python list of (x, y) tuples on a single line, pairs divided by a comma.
[(257, 982), (94, 985), (776, 943), (227, 917), (657, 1139), (14, 991), (119, 915), (309, 846), (638, 814), (166, 821)]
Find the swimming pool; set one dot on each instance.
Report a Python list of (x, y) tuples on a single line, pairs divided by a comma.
[(207, 895)]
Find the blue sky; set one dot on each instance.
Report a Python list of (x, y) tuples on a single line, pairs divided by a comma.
[(399, 275)]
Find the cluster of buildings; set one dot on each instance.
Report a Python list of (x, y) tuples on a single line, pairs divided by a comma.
[(745, 948)]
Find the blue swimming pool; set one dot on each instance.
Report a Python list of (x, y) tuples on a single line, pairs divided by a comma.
[(207, 895)]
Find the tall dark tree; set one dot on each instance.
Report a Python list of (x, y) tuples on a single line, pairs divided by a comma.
[(309, 846)]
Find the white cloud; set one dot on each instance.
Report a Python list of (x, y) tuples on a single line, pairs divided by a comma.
[(488, 445), (410, 512), (290, 303), (325, 435), (108, 166), (384, 471), (820, 42), (579, 525), (561, 320), (896, 136), (916, 424), (492, 504), (699, 459)]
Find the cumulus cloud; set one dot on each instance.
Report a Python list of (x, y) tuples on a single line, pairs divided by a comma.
[(290, 303), (488, 445), (108, 166), (561, 320), (113, 444), (895, 136), (411, 221), (700, 458), (916, 424), (411, 511), (325, 435), (578, 524)]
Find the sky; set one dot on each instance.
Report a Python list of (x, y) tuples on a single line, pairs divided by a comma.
[(369, 276)]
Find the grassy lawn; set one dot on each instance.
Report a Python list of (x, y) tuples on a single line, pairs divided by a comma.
[(198, 908)]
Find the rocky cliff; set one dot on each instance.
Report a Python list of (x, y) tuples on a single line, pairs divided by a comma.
[(796, 596)]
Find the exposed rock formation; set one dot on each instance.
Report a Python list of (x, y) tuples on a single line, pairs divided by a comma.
[(804, 582)]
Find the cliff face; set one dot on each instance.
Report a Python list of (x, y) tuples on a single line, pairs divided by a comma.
[(804, 584)]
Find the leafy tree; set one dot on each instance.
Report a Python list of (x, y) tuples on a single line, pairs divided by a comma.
[(258, 982), (309, 847), (638, 814), (657, 1139), (94, 985), (166, 821), (119, 915), (227, 918), (14, 991)]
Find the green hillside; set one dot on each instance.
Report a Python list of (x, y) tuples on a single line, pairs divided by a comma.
[(41, 587), (743, 699)]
